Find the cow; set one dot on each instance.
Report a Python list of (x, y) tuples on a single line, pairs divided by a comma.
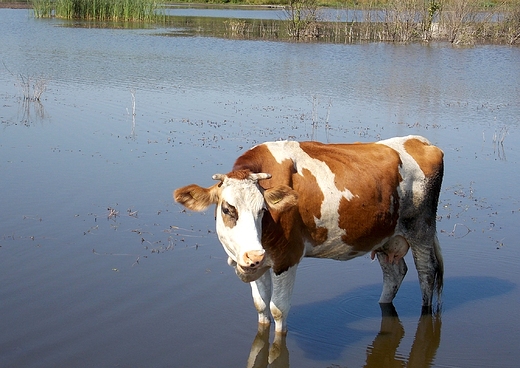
[(286, 200)]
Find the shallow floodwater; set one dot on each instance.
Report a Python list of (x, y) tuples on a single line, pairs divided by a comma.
[(100, 268), (266, 12)]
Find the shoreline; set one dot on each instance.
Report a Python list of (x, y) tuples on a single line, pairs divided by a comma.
[(15, 5)]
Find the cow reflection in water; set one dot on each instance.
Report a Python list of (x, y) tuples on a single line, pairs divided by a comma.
[(265, 355), (382, 352)]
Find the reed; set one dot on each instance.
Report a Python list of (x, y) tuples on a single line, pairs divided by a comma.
[(113, 10)]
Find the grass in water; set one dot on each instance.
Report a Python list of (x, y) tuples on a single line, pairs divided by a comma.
[(115, 10)]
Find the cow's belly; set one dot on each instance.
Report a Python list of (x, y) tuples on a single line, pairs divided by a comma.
[(334, 250)]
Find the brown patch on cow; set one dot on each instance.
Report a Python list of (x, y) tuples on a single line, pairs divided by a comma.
[(367, 223), (260, 160), (283, 240), (229, 214), (371, 173), (429, 158), (239, 174), (353, 164), (311, 199)]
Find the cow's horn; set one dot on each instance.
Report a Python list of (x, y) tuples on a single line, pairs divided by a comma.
[(220, 177), (259, 176)]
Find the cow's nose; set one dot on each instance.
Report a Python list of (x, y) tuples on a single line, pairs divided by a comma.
[(254, 258)]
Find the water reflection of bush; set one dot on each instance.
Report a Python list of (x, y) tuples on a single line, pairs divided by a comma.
[(30, 107), (328, 319), (30, 112)]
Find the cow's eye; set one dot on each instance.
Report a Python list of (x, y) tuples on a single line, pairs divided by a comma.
[(228, 210)]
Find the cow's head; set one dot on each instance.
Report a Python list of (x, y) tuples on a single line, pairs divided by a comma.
[(240, 206)]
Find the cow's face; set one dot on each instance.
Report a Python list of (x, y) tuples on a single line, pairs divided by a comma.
[(240, 205), (239, 213)]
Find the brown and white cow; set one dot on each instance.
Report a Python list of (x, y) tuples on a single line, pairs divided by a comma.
[(287, 200)]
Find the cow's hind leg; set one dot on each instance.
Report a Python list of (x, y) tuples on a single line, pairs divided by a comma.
[(261, 290), (429, 264), (393, 275)]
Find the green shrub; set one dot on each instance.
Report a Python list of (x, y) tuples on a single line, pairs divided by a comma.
[(117, 10)]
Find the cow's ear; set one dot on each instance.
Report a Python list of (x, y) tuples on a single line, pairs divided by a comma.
[(195, 197), (281, 198)]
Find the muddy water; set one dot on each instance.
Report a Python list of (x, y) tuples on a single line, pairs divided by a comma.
[(98, 266)]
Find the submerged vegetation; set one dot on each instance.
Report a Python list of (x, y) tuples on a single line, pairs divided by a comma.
[(115, 10), (455, 21)]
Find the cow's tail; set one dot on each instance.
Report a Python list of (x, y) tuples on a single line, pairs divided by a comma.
[(439, 270), (432, 202)]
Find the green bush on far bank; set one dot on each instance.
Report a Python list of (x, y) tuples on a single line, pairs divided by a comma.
[(116, 10)]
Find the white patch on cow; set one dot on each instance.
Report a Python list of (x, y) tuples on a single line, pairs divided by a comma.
[(287, 150), (245, 236), (410, 170)]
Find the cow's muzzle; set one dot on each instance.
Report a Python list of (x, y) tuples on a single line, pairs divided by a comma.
[(252, 260), (254, 268)]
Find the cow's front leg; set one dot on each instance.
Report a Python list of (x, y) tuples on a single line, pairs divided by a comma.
[(261, 290), (393, 275), (281, 299)]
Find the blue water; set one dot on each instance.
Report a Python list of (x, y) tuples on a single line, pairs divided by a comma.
[(81, 287)]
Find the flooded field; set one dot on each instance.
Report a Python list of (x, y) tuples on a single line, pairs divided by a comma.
[(99, 267)]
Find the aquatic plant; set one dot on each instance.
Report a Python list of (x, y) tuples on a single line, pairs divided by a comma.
[(302, 18), (43, 8), (115, 10), (32, 88)]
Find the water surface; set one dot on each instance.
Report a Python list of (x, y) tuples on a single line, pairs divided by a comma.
[(148, 284)]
